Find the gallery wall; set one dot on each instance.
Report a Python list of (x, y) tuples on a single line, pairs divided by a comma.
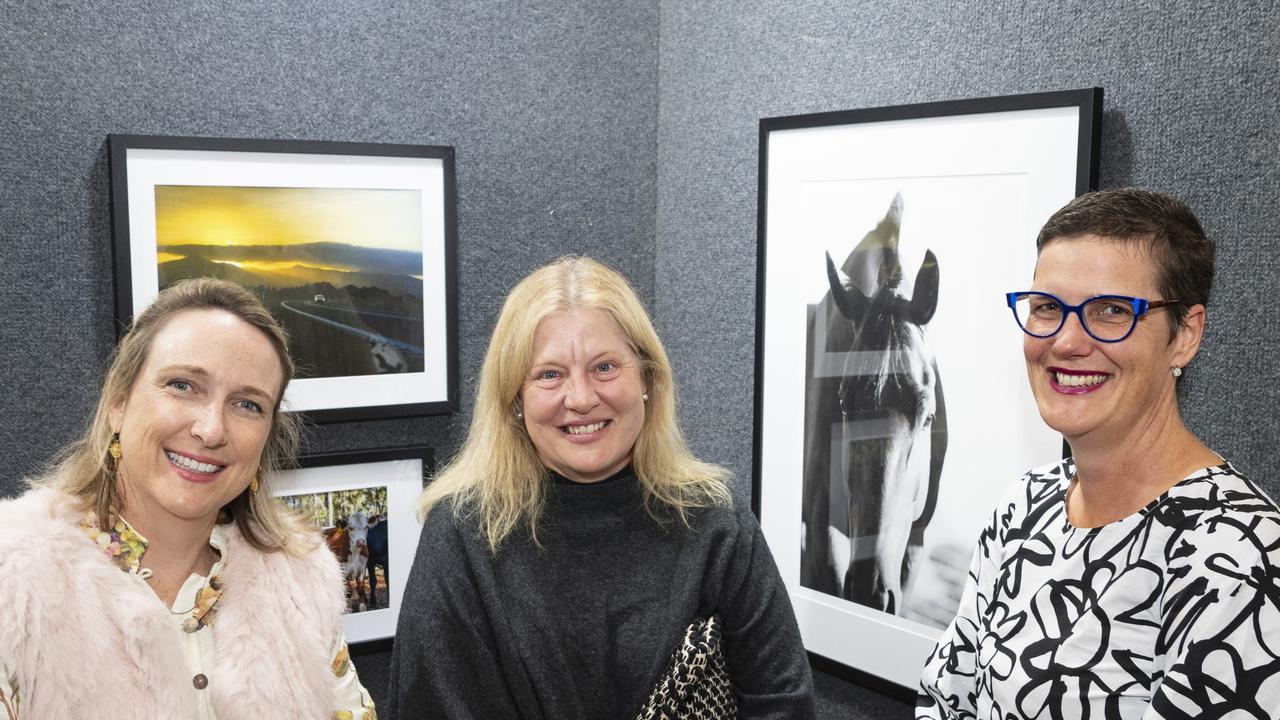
[(550, 106), (1192, 95), (624, 130)]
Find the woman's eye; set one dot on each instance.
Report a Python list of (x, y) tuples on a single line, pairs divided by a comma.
[(548, 374), (605, 367), (928, 420), (181, 385), (249, 405)]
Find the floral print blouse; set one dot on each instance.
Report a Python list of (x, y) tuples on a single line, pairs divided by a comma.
[(1172, 612), (193, 611)]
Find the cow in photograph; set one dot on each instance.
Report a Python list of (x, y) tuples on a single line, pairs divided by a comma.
[(356, 567), (875, 424), (378, 550)]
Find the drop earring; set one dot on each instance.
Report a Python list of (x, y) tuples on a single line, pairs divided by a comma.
[(114, 450), (253, 484)]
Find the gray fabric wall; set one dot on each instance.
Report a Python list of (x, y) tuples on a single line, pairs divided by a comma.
[(623, 130), (1192, 97), (551, 107), (1192, 94)]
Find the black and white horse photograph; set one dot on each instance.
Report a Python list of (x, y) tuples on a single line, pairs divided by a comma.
[(898, 352)]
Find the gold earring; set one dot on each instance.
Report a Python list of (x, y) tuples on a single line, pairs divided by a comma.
[(253, 484), (114, 450)]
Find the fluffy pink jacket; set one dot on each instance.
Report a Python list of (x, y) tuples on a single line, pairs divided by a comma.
[(85, 640)]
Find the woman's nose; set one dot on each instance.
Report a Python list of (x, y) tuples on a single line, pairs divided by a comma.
[(580, 395), (210, 426), (1072, 339)]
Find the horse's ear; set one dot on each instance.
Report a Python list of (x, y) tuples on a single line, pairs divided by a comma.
[(852, 303), (924, 298)]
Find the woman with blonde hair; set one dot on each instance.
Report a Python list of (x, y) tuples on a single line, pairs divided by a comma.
[(149, 572), (575, 552)]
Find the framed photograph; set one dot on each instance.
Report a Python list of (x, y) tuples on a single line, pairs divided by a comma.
[(350, 245), (364, 504), (892, 409)]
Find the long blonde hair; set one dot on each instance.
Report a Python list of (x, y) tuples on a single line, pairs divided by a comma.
[(83, 471), (497, 474)]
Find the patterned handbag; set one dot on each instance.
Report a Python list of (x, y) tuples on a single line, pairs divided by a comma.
[(696, 685)]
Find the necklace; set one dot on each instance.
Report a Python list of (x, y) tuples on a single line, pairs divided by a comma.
[(202, 612)]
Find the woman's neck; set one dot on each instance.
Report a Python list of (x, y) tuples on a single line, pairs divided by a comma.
[(1115, 478), (175, 550)]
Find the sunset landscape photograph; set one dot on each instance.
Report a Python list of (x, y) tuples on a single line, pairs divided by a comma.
[(340, 268)]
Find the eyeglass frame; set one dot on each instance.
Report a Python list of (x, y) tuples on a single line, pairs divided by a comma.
[(1140, 307)]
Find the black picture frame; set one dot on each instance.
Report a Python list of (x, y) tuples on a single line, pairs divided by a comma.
[(403, 472), (289, 219), (924, 186)]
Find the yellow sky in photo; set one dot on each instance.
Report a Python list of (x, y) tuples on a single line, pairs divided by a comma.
[(212, 215)]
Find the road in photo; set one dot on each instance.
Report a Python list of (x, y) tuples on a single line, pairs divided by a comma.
[(340, 268)]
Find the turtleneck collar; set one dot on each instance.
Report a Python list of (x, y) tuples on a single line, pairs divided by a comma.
[(626, 472)]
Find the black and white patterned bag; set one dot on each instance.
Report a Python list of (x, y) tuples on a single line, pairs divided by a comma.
[(696, 685)]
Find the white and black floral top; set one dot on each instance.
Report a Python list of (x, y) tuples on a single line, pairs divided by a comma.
[(1172, 612)]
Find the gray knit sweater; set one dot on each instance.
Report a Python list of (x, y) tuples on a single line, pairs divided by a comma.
[(581, 627)]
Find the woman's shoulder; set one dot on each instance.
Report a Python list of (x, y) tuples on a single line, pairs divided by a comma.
[(1219, 504), (1039, 485), (38, 511)]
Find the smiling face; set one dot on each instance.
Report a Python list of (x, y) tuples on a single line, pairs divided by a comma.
[(194, 423), (583, 399), (1085, 388)]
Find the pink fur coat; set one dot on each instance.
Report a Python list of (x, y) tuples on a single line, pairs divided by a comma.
[(84, 639)]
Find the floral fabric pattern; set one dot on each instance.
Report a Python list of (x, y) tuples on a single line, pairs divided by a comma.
[(1173, 612)]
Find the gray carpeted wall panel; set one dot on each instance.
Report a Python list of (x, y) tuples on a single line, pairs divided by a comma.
[(1191, 96), (551, 108), (1191, 99)]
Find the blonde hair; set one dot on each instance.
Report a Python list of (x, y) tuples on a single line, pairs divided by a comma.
[(83, 471), (497, 474)]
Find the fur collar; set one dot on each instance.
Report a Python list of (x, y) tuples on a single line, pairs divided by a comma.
[(78, 632)]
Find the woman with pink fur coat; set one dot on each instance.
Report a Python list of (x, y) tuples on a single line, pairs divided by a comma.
[(149, 572)]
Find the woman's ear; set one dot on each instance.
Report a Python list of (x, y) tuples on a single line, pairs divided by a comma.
[(115, 418), (1187, 339)]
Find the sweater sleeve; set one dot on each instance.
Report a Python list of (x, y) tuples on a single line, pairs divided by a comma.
[(763, 649), (445, 662)]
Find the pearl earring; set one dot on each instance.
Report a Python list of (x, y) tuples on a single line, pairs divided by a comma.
[(644, 397), (1177, 371)]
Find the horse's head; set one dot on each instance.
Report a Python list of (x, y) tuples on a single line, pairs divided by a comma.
[(888, 398)]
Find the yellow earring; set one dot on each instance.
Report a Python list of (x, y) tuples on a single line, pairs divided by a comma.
[(253, 484), (114, 450)]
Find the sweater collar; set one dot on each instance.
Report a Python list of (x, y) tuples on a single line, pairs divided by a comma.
[(617, 478)]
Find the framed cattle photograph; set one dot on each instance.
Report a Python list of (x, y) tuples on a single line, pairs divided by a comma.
[(364, 505), (350, 245), (891, 406)]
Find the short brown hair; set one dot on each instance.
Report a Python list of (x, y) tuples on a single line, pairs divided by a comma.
[(1170, 231)]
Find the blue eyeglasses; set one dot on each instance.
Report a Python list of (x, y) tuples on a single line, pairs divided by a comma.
[(1107, 318)]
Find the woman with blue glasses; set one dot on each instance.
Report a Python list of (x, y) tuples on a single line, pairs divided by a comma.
[(1139, 578)]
